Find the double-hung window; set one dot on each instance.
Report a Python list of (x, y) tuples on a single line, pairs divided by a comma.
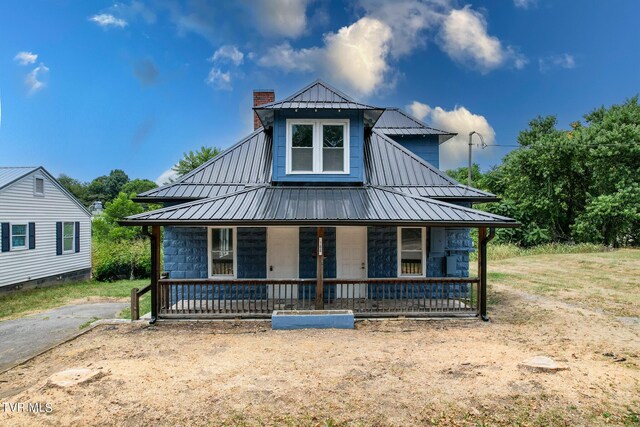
[(19, 236), (68, 237), (317, 146), (411, 251), (222, 254)]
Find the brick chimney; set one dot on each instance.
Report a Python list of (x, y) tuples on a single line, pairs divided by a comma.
[(261, 97)]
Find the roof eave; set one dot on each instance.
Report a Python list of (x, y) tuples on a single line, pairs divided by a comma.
[(311, 222)]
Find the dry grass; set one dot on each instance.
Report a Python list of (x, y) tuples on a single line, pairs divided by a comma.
[(448, 373), (607, 281)]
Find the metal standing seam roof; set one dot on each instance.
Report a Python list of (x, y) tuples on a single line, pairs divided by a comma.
[(9, 175), (248, 164), (317, 95), (266, 205), (394, 121)]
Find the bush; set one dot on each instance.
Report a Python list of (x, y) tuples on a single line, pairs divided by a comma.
[(116, 260)]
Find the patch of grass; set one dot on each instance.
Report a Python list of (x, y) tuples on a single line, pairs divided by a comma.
[(18, 304), (503, 251), (88, 323), (145, 307), (604, 281)]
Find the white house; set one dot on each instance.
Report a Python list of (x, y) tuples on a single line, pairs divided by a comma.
[(45, 232)]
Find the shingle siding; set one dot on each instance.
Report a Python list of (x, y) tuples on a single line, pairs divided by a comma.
[(382, 252), (185, 252), (252, 252)]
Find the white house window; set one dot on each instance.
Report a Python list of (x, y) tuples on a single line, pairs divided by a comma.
[(18, 236), (222, 252), (68, 237), (38, 185), (411, 248), (302, 148), (317, 146)]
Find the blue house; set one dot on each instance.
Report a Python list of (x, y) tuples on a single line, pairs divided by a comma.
[(329, 203)]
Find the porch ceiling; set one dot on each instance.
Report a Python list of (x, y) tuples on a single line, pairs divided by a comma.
[(266, 205)]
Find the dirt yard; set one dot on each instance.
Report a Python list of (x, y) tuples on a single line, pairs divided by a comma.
[(393, 372)]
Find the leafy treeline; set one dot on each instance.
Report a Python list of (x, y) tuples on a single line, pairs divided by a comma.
[(105, 188), (121, 252), (580, 186)]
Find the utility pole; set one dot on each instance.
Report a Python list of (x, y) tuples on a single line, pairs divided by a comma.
[(470, 145)]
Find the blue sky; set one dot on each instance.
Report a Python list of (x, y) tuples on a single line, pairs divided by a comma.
[(90, 86)]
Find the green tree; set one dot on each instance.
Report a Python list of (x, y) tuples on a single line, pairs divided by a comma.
[(138, 186), (105, 188), (192, 160), (77, 188), (106, 227)]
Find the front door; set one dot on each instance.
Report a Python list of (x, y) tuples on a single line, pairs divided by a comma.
[(351, 259), (282, 260)]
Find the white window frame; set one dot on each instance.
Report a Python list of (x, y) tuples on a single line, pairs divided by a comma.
[(317, 145), (35, 187), (424, 253), (26, 236), (73, 237), (235, 254)]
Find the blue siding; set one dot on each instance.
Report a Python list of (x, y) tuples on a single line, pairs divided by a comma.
[(252, 252), (426, 147), (382, 252), (356, 146), (185, 252)]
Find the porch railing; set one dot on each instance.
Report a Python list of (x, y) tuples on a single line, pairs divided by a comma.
[(205, 298)]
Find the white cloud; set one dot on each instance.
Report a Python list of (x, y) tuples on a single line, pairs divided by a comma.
[(564, 60), (525, 4), (409, 20), (106, 20), (26, 58), (355, 56), (228, 53), (361, 56), (219, 79), (33, 81), (465, 39), (287, 18), (454, 152), (167, 176)]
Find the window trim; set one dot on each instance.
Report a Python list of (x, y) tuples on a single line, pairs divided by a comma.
[(210, 250), (424, 253), (35, 186), (26, 237), (317, 145), (73, 237)]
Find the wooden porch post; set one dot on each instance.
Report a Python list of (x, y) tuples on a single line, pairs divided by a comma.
[(155, 270), (320, 269), (482, 273)]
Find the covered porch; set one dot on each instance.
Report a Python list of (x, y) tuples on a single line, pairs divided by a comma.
[(366, 249)]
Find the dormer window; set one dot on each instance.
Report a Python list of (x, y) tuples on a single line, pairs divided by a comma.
[(317, 146)]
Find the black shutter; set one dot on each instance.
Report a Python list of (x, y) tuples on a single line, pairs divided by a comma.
[(58, 238), (32, 235), (77, 237), (5, 237)]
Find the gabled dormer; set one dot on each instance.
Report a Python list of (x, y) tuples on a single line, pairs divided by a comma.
[(318, 135), (414, 135)]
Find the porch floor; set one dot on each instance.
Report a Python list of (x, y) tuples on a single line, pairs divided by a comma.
[(362, 307)]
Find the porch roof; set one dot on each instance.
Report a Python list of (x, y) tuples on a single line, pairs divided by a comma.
[(268, 205)]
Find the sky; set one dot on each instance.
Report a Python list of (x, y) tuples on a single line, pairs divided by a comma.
[(91, 86)]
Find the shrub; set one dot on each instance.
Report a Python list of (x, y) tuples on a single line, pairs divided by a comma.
[(114, 260)]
